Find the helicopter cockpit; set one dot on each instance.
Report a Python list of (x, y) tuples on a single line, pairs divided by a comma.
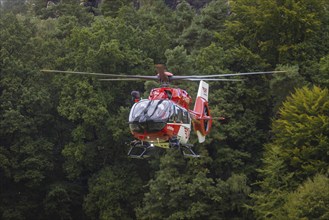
[(152, 115)]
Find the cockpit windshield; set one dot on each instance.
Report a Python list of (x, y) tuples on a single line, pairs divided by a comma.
[(151, 110)]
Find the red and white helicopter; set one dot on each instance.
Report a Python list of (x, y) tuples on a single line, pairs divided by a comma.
[(164, 120)]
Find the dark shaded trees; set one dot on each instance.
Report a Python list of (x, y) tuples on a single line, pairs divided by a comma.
[(281, 31), (26, 118), (62, 137), (203, 27), (181, 189), (113, 193)]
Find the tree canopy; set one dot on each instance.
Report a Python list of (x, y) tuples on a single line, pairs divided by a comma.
[(62, 137)]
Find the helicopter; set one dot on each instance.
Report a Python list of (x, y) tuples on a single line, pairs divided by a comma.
[(165, 119)]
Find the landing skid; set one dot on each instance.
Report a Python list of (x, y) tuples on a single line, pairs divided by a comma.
[(142, 150), (187, 151)]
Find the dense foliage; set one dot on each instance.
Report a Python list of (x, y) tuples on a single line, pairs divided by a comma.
[(62, 137)]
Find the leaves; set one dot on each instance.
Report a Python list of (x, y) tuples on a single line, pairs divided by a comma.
[(62, 148), (310, 200), (113, 192), (298, 150)]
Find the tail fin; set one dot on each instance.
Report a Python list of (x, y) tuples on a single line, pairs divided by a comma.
[(203, 121)]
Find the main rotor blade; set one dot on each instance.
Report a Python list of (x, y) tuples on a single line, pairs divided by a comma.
[(225, 75), (124, 79), (211, 79), (103, 74), (206, 79), (80, 73), (244, 74)]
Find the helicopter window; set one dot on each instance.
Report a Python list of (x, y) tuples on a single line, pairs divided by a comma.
[(138, 109), (151, 110), (179, 114), (172, 115), (159, 110), (186, 117)]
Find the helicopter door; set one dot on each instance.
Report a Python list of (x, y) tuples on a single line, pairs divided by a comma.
[(183, 118)]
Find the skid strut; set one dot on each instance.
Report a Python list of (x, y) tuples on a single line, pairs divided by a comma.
[(140, 149), (187, 151)]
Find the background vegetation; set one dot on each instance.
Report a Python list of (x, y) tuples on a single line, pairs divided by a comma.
[(62, 152)]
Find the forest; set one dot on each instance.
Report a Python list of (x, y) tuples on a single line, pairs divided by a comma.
[(63, 152)]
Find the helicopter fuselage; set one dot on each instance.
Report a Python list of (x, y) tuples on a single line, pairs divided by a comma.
[(164, 119), (160, 118)]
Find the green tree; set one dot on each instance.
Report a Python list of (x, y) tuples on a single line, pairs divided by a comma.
[(322, 77), (283, 84), (202, 30), (180, 189), (281, 31), (178, 61), (113, 193), (86, 109), (184, 14), (297, 151), (61, 8), (310, 200), (14, 6), (57, 203), (26, 121), (183, 188), (112, 7)]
